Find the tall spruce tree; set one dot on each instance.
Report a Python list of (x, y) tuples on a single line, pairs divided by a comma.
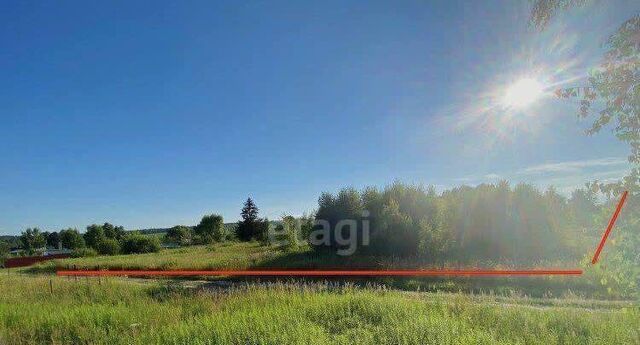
[(248, 228)]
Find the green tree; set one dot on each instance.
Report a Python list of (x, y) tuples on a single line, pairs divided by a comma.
[(4, 248), (53, 239), (32, 239), (211, 229), (250, 226), (612, 92), (396, 234), (306, 226), (71, 239), (345, 206), (113, 232), (179, 234), (45, 235), (134, 243), (94, 235), (611, 95), (489, 222), (108, 246)]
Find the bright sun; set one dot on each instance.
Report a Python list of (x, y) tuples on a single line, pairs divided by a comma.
[(522, 93)]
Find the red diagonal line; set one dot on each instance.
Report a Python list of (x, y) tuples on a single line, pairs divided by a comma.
[(612, 222), (326, 273)]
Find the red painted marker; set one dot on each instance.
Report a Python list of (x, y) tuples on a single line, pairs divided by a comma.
[(612, 222)]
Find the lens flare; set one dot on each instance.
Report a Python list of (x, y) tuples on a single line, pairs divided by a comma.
[(522, 93)]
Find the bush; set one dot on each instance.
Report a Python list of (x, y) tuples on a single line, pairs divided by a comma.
[(179, 234), (108, 246), (137, 243), (83, 252), (287, 232)]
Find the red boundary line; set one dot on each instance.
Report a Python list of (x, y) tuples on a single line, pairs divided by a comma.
[(612, 222), (326, 273)]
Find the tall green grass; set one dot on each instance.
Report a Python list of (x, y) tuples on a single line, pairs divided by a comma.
[(117, 311), (233, 255)]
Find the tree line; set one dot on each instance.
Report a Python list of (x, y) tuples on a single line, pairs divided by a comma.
[(489, 222), (105, 239), (212, 229)]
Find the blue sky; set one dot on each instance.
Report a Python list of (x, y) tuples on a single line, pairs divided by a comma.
[(151, 114)]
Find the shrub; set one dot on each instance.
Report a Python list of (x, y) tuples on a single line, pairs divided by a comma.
[(291, 230), (83, 252), (108, 246), (137, 243), (261, 228), (179, 234)]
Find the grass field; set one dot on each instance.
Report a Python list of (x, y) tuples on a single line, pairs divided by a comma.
[(38, 307), (234, 255), (226, 255), (117, 311), (242, 255)]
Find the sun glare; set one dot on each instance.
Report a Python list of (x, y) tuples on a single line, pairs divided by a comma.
[(522, 93)]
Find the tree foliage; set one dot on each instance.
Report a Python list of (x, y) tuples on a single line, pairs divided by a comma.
[(288, 232), (542, 11), (71, 239), (53, 239), (179, 234), (97, 234), (211, 229), (490, 222), (113, 232), (611, 94), (32, 239), (136, 243), (613, 89), (108, 246), (4, 248), (94, 235), (251, 227)]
